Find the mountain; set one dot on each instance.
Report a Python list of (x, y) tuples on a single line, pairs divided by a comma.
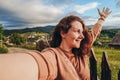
[(46, 29)]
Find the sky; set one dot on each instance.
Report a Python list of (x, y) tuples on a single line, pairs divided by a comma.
[(19, 14)]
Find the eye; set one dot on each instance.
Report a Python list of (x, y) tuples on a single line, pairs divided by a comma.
[(78, 31)]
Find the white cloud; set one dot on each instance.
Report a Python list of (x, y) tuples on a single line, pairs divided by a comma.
[(90, 21), (110, 22), (33, 10), (114, 21), (81, 9), (116, 15), (37, 12)]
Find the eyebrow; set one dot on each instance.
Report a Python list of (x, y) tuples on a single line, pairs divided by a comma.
[(75, 28)]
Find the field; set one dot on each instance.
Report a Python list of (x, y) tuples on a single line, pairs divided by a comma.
[(113, 59)]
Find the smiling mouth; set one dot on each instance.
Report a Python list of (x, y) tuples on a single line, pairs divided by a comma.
[(78, 40)]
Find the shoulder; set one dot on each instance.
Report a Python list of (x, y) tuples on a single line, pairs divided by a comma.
[(48, 52)]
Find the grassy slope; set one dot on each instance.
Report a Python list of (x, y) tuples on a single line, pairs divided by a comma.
[(113, 59)]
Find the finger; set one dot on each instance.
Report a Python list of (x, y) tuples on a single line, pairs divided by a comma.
[(103, 9), (110, 12), (107, 10), (99, 11)]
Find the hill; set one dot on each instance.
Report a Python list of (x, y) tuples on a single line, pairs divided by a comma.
[(48, 29)]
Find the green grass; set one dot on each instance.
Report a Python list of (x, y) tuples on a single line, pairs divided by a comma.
[(3, 49), (113, 59)]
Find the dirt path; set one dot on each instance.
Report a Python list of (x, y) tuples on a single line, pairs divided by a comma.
[(17, 50)]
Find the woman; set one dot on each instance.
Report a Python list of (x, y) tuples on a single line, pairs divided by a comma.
[(71, 43), (70, 46)]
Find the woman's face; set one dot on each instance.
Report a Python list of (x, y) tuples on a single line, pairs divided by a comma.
[(74, 36)]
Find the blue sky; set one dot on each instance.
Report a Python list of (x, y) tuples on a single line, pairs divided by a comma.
[(16, 14)]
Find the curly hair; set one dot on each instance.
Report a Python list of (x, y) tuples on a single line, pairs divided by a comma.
[(64, 25)]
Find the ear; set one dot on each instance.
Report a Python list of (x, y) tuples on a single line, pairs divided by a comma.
[(62, 34)]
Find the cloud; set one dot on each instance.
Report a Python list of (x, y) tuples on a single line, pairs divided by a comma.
[(114, 20), (57, 2), (81, 9), (32, 12), (118, 3), (116, 15)]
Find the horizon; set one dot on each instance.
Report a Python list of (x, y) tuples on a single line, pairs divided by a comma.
[(22, 14), (89, 26)]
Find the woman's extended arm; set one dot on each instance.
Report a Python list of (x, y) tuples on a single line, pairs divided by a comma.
[(96, 29)]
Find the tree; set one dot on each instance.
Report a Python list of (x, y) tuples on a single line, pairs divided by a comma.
[(17, 39), (1, 31)]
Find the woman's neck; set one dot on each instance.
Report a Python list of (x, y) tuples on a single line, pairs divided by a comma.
[(65, 47)]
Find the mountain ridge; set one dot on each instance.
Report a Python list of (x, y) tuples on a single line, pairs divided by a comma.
[(47, 29)]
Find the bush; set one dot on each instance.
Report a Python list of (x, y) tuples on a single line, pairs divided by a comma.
[(17, 39), (3, 49), (28, 46)]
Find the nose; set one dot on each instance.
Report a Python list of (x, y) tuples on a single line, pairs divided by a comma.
[(81, 36)]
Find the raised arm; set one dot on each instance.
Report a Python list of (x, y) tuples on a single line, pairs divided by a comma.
[(96, 29)]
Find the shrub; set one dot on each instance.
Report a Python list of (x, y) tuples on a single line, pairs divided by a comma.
[(3, 49), (28, 46)]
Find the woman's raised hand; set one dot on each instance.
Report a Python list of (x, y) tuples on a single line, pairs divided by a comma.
[(104, 13)]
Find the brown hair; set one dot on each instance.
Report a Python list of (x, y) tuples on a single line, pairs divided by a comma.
[(64, 25)]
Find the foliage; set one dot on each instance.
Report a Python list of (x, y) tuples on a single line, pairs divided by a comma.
[(1, 28), (17, 39), (30, 47), (3, 49), (110, 33), (106, 37), (45, 29), (1, 35), (1, 31)]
